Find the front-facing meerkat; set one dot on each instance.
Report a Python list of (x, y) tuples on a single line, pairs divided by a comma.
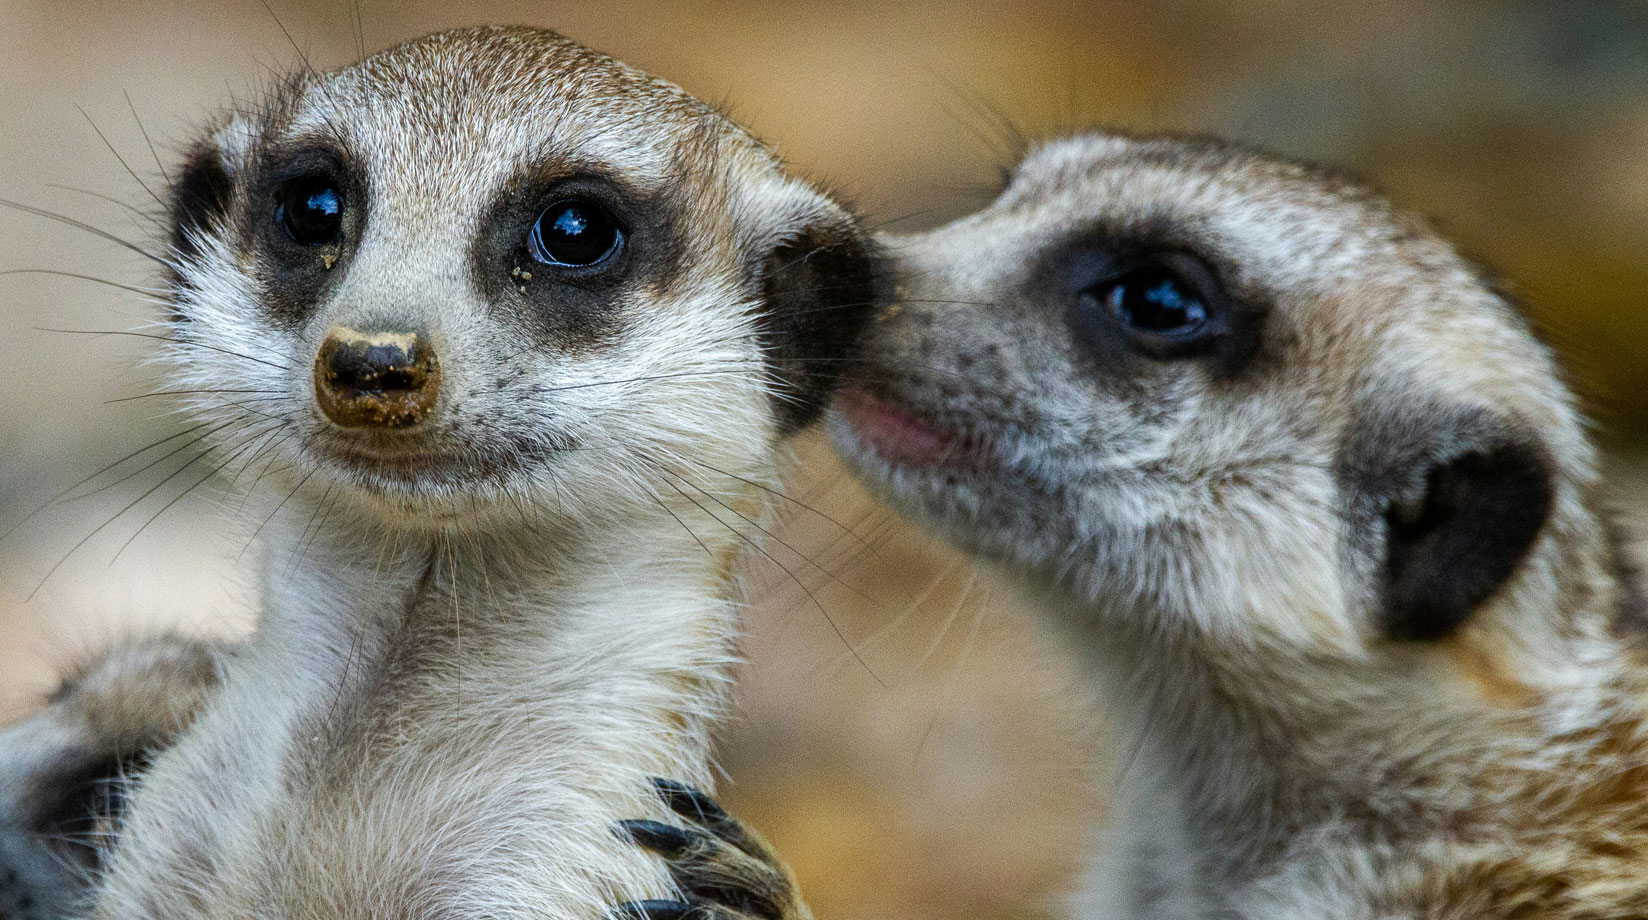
[(1317, 509), (518, 330)]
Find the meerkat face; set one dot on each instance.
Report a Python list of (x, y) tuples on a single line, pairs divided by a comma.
[(492, 266), (1189, 384)]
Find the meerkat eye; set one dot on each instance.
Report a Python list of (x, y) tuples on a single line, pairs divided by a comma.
[(1157, 301), (574, 233), (1166, 304), (311, 210)]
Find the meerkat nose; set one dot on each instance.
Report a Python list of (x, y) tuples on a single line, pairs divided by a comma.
[(376, 379)]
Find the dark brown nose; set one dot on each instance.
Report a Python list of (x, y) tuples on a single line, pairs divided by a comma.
[(378, 379)]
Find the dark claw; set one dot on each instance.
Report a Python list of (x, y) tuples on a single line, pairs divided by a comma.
[(690, 803), (666, 840), (659, 910), (723, 869)]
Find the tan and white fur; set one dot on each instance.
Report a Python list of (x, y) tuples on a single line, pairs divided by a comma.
[(65, 770), (490, 610), (1331, 545)]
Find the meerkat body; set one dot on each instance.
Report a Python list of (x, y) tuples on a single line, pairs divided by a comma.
[(519, 330), (1318, 511)]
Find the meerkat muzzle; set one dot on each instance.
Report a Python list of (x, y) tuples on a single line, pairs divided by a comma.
[(378, 379)]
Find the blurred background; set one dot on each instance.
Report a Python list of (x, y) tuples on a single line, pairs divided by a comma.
[(909, 741)]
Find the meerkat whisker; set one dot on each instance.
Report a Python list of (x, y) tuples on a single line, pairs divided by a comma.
[(887, 223), (84, 227), (122, 160), (151, 335), (132, 107), (689, 531), (360, 29), (132, 288), (832, 576), (949, 621), (62, 495), (956, 667), (892, 625), (1015, 138), (230, 456), (146, 216), (206, 392), (127, 507), (793, 577), (778, 493), (273, 512)]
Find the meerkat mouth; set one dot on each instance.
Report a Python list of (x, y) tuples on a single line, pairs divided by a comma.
[(427, 474), (896, 435)]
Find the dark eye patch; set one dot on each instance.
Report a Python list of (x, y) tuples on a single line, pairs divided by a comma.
[(306, 209), (562, 246), (1150, 296), (200, 196)]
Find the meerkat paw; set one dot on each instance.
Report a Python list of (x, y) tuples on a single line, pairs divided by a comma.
[(724, 870), (65, 772)]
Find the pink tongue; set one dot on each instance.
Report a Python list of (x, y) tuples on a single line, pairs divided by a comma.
[(892, 433)]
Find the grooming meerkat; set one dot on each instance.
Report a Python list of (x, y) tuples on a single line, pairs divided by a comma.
[(1314, 505), (522, 329)]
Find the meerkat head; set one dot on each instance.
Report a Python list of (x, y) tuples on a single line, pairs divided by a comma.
[(494, 268), (1207, 390)]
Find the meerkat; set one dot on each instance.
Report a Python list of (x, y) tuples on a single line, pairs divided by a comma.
[(1318, 512), (519, 331), (63, 771)]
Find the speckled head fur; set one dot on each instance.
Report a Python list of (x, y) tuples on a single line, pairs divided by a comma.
[(1318, 507)]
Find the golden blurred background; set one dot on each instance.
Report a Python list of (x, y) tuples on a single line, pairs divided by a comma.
[(908, 740)]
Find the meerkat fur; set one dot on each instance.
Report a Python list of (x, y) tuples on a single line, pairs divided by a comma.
[(480, 636), (1317, 509)]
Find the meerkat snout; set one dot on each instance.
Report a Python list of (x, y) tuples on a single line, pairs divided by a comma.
[(381, 379)]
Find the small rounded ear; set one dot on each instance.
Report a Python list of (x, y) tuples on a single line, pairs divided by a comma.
[(1461, 498), (66, 771), (204, 187), (820, 284), (54, 802)]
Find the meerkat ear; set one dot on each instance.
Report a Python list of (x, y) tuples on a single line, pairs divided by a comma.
[(1461, 502), (820, 283), (202, 191), (64, 773), (56, 802)]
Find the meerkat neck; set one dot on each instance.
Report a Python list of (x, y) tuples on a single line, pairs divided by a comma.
[(626, 624), (531, 685), (1246, 751)]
